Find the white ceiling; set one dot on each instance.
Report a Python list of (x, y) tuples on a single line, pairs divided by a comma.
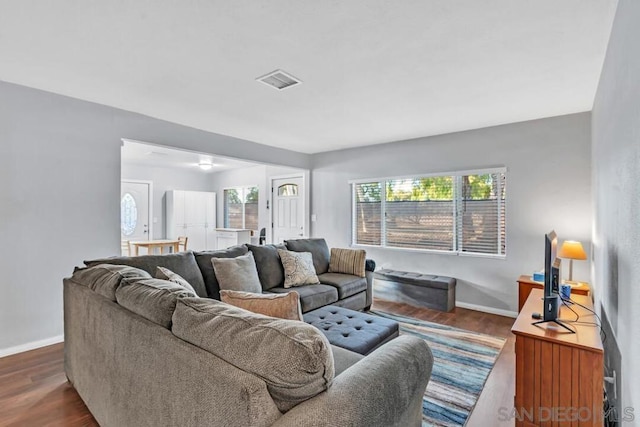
[(140, 153), (373, 71)]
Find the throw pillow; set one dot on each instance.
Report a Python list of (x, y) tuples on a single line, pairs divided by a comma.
[(237, 274), (166, 274), (348, 261), (298, 268), (293, 358), (282, 306)]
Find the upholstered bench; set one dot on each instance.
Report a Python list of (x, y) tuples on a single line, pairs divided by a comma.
[(438, 292), (353, 330)]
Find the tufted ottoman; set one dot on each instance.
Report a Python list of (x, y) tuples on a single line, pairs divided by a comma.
[(353, 330)]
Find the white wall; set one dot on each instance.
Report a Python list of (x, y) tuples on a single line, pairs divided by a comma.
[(60, 192), (616, 178), (548, 187), (165, 179), (259, 175)]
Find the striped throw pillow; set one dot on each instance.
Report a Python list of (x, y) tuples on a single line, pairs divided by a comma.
[(347, 261)]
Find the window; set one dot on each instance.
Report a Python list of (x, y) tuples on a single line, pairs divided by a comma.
[(459, 212), (288, 190), (128, 214), (241, 208)]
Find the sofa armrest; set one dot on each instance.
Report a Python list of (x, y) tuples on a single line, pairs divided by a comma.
[(369, 265), (369, 268), (383, 389)]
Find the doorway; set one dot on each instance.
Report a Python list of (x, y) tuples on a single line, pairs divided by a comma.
[(288, 213), (135, 212)]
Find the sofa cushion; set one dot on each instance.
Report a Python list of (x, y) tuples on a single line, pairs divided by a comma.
[(203, 259), (237, 274), (153, 299), (105, 278), (298, 268), (166, 274), (348, 261), (312, 296), (346, 284), (269, 266), (282, 306), (343, 359), (318, 248), (182, 263), (293, 358)]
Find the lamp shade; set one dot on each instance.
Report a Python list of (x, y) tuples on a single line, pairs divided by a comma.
[(571, 249)]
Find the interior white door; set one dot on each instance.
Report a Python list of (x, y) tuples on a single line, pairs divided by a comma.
[(288, 209), (135, 212)]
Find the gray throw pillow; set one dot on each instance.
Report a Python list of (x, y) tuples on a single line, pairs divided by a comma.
[(166, 274), (318, 248), (203, 259), (298, 268), (237, 274)]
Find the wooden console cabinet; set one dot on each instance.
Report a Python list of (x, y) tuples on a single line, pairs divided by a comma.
[(559, 375), (526, 283)]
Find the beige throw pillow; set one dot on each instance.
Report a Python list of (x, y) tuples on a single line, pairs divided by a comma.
[(348, 261), (166, 274), (282, 306), (237, 274), (298, 268)]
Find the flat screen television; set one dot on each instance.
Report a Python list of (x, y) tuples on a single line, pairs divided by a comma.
[(552, 301), (550, 255)]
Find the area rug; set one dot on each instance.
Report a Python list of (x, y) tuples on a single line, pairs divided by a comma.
[(462, 363)]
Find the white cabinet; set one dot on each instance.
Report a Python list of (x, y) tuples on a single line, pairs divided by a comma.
[(232, 236), (192, 214)]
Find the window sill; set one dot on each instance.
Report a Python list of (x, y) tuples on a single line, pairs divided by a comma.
[(430, 251)]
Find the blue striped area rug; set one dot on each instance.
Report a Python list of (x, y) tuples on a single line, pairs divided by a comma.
[(462, 363)]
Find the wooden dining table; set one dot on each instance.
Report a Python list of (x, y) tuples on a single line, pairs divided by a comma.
[(151, 245)]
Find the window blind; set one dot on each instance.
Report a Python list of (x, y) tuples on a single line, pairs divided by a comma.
[(481, 214), (457, 212)]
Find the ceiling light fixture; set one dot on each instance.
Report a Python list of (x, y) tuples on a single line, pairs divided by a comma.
[(279, 79), (205, 166)]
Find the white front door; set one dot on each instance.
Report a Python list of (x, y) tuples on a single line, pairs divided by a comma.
[(288, 209), (135, 213)]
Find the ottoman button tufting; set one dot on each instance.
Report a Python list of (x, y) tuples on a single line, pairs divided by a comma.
[(350, 329)]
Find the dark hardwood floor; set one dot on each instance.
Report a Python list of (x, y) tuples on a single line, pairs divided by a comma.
[(34, 390)]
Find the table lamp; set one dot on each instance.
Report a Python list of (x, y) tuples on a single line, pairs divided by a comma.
[(571, 250)]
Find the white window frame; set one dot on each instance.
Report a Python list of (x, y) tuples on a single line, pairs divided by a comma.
[(242, 198), (457, 176)]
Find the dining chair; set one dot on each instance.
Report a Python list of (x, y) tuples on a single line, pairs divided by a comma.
[(182, 243), (125, 248)]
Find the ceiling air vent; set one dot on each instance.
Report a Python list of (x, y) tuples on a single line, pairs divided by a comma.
[(279, 79)]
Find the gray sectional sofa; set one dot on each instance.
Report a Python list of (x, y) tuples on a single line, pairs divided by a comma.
[(343, 290), (147, 352)]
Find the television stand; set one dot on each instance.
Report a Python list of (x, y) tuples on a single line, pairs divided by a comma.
[(558, 375), (557, 322)]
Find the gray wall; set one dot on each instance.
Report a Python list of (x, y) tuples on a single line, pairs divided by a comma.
[(165, 179), (616, 174), (548, 187), (60, 174)]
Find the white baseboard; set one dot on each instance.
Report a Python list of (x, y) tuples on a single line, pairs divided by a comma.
[(485, 309), (31, 346)]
